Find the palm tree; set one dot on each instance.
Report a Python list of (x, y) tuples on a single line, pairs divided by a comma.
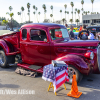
[(10, 8), (39, 15), (72, 4), (51, 9), (22, 8), (65, 14), (75, 15), (65, 10), (19, 13), (51, 15), (28, 7), (44, 7), (92, 1), (82, 2), (45, 13), (82, 9), (71, 20), (33, 6), (68, 15), (34, 14), (77, 20), (63, 20), (88, 12), (84, 12), (61, 13), (78, 11)]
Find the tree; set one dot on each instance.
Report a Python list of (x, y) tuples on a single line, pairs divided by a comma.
[(92, 1), (34, 14), (78, 11), (72, 4), (71, 20), (51, 9), (65, 10), (88, 12), (82, 2), (77, 20), (22, 9), (75, 15), (44, 7), (11, 15), (63, 20), (51, 15), (28, 7), (5, 22), (68, 16), (19, 13), (39, 15), (10, 8), (61, 13)]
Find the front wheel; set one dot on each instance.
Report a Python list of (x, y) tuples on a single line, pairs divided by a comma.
[(71, 71)]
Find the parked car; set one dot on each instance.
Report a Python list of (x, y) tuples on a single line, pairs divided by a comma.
[(94, 29), (36, 45)]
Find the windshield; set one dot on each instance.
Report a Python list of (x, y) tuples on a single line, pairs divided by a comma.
[(58, 33)]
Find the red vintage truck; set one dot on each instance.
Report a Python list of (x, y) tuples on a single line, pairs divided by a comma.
[(38, 44)]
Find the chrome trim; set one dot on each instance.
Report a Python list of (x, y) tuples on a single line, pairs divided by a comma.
[(98, 57)]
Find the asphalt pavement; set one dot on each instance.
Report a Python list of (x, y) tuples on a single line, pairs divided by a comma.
[(10, 81)]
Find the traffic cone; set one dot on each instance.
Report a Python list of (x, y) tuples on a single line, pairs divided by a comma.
[(74, 89)]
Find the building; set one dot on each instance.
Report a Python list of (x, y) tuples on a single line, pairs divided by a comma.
[(89, 20)]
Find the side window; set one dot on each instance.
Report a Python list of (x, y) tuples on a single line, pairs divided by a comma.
[(38, 35), (24, 34)]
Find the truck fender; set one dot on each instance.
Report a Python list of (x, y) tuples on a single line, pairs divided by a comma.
[(77, 62), (4, 46)]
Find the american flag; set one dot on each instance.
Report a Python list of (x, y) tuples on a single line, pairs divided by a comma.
[(56, 75)]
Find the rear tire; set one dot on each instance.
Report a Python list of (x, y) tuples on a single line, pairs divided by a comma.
[(73, 70), (3, 59)]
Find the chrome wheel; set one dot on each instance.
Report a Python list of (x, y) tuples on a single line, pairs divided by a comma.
[(1, 59), (71, 72)]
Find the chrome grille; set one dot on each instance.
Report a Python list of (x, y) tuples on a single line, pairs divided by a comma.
[(98, 56)]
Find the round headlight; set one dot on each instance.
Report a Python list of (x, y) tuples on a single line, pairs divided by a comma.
[(91, 55)]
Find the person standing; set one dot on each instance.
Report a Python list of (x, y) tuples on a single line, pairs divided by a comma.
[(71, 33), (91, 36), (83, 34)]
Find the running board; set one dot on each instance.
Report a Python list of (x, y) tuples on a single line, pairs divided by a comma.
[(35, 68)]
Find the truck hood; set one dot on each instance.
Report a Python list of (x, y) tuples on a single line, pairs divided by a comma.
[(74, 43)]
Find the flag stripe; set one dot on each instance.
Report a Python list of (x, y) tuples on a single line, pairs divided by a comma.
[(60, 76), (60, 80), (58, 85)]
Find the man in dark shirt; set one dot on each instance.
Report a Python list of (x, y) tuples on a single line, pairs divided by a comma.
[(71, 33), (83, 35)]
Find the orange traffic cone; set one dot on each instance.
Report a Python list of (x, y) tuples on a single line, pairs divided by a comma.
[(74, 89)]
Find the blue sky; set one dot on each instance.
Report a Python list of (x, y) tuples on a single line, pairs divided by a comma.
[(57, 5)]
